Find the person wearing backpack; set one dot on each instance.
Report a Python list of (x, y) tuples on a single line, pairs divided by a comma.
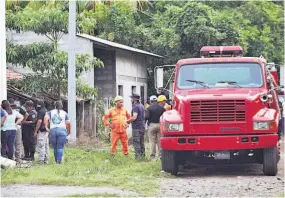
[(41, 134), (59, 129)]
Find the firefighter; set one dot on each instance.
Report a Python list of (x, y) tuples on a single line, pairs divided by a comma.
[(119, 116), (162, 101)]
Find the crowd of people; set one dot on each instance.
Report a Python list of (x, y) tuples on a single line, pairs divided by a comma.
[(139, 117), (27, 129)]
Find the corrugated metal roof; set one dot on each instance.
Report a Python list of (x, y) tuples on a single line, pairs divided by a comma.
[(116, 45)]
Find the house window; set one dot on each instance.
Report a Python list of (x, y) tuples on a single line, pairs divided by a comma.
[(134, 91), (142, 94), (120, 90)]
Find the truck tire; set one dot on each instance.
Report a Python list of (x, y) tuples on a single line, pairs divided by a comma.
[(270, 161), (169, 162)]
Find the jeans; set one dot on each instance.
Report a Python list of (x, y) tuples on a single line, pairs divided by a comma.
[(8, 139), (58, 138)]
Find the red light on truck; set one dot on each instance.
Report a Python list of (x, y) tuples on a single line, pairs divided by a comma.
[(221, 51)]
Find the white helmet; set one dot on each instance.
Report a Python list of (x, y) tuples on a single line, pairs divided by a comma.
[(153, 98)]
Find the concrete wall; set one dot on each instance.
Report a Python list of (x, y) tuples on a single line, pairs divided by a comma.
[(105, 78), (131, 71), (82, 46)]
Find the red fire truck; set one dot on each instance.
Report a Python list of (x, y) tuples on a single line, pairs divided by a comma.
[(225, 111)]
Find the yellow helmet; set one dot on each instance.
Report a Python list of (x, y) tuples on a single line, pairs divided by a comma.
[(161, 98), (117, 98)]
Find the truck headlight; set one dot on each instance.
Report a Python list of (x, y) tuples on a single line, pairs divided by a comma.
[(175, 127), (260, 125)]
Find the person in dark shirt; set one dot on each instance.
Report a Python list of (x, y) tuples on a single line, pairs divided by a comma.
[(152, 116), (28, 128), (41, 134), (138, 127), (18, 139)]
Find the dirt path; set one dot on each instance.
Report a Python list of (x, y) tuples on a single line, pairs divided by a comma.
[(225, 181), (23, 190)]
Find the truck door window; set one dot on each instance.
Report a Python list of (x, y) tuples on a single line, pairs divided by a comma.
[(244, 74)]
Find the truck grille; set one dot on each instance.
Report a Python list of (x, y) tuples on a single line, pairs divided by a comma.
[(217, 111)]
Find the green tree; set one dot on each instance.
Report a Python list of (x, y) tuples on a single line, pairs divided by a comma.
[(45, 59)]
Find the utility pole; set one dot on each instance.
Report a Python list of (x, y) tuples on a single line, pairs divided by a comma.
[(3, 78), (71, 69)]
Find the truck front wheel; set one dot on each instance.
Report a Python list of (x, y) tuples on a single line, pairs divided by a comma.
[(270, 156), (169, 162)]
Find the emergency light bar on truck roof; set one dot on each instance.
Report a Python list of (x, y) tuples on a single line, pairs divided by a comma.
[(220, 51)]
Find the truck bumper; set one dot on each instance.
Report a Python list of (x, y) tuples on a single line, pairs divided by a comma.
[(233, 142)]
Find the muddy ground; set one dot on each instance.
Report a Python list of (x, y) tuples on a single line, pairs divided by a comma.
[(226, 181)]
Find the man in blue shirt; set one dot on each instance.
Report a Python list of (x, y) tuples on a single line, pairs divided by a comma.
[(138, 127)]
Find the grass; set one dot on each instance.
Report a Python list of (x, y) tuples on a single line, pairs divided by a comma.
[(282, 195), (91, 169)]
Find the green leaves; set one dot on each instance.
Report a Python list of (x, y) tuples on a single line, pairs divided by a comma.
[(83, 90), (46, 20), (174, 29), (20, 54), (50, 67), (48, 63)]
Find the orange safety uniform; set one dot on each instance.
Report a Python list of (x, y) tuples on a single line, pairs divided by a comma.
[(118, 117)]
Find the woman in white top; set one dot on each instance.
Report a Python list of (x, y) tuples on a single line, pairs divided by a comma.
[(8, 131), (59, 128)]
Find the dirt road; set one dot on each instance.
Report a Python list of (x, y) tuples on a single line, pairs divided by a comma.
[(225, 181)]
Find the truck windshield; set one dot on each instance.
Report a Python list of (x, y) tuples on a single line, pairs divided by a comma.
[(213, 74)]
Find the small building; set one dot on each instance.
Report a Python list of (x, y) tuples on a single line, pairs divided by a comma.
[(124, 72)]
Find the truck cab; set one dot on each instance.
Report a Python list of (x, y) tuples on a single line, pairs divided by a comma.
[(225, 111)]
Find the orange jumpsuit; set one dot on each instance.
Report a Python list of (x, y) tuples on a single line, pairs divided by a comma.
[(118, 117)]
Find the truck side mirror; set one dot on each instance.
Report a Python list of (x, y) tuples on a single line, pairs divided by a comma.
[(158, 77), (279, 88)]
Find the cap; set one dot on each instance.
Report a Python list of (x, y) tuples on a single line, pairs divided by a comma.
[(135, 96), (161, 98), (117, 98), (153, 98)]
